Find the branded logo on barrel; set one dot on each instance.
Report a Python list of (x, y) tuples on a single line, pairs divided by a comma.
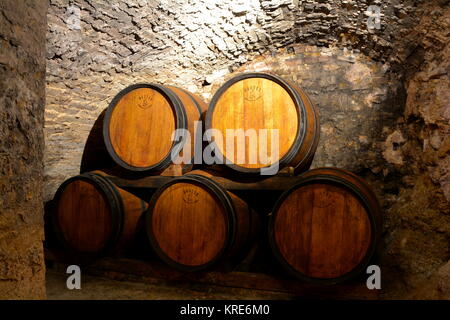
[(190, 196), (252, 93), (144, 101)]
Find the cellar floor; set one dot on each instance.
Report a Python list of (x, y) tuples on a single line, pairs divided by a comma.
[(100, 288), (124, 278)]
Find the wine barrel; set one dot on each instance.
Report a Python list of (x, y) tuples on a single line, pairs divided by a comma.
[(93, 217), (326, 227), (258, 101), (140, 121), (193, 223)]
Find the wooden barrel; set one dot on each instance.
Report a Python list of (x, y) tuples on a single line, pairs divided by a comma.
[(193, 223), (258, 101), (140, 121), (326, 227), (93, 217)]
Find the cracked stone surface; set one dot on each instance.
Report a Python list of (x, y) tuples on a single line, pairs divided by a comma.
[(22, 101)]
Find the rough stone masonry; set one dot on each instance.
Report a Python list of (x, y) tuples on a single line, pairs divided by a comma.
[(22, 99), (382, 94)]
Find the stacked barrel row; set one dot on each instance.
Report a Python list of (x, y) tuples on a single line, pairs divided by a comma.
[(324, 227)]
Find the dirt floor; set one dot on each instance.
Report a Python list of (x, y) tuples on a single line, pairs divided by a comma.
[(98, 288)]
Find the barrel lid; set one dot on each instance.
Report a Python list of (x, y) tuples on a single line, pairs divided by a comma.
[(302, 124), (327, 210), (205, 215), (144, 96), (87, 215)]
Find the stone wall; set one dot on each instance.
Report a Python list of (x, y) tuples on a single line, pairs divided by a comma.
[(418, 222), (98, 47), (381, 93), (22, 99)]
